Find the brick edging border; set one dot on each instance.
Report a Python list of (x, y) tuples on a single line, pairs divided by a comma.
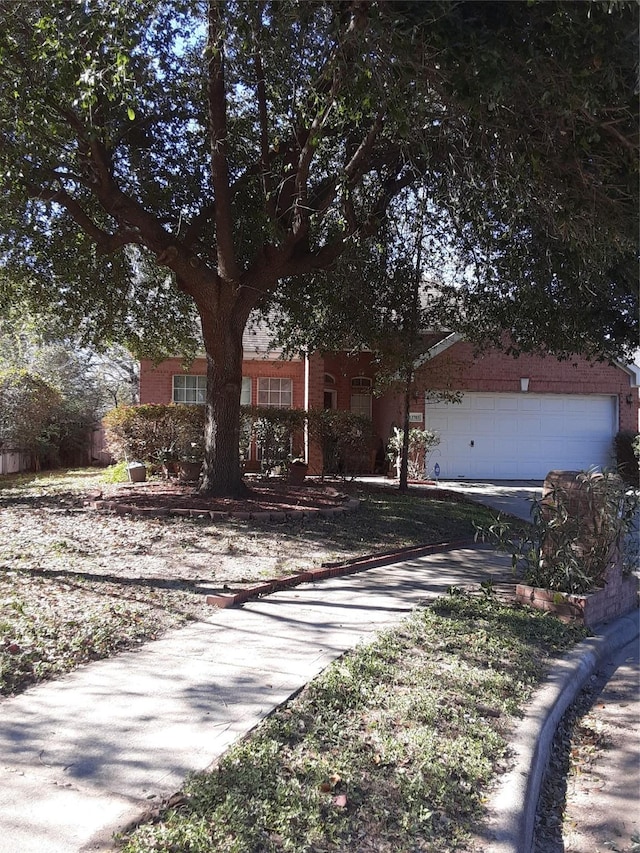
[(349, 505), (330, 570)]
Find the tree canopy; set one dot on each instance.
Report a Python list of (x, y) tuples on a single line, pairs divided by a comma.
[(533, 219), (162, 161), (52, 390)]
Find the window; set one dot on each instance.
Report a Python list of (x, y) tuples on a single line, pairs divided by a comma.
[(275, 392), (245, 393), (189, 389), (330, 394), (193, 389), (361, 396)]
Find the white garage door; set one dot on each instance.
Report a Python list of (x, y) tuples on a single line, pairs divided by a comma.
[(521, 436)]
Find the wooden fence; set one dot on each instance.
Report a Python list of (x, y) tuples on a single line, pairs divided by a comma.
[(93, 453), (14, 461)]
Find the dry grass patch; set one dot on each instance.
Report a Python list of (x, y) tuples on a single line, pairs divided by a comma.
[(77, 584)]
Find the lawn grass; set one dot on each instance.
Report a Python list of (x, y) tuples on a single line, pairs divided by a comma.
[(77, 585), (393, 748)]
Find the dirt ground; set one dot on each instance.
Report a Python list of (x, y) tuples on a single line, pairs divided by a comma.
[(274, 495), (49, 533)]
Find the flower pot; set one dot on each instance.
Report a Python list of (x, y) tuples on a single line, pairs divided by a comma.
[(297, 473), (188, 472), (137, 472)]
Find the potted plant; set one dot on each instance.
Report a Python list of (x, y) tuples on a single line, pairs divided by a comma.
[(190, 459)]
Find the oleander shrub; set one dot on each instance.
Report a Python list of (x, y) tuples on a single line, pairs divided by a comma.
[(570, 543)]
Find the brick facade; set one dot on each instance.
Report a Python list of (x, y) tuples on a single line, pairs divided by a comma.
[(156, 383), (456, 368)]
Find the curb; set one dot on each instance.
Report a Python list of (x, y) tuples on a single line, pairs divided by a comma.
[(513, 807), (329, 570)]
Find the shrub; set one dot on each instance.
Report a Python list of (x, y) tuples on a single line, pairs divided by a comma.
[(117, 473), (277, 432), (346, 440), (569, 548), (155, 433), (421, 443), (29, 416), (159, 434), (627, 451)]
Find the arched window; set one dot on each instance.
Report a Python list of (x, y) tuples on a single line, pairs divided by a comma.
[(330, 393), (361, 395)]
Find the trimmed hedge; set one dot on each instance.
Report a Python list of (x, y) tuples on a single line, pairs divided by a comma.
[(160, 434), (346, 440), (155, 433)]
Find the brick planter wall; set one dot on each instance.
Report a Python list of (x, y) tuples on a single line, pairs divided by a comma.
[(619, 596)]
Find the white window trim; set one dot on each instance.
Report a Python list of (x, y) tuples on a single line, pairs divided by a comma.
[(200, 387), (246, 381), (359, 392), (276, 393)]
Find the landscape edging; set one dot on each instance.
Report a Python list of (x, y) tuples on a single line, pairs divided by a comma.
[(330, 570), (217, 515)]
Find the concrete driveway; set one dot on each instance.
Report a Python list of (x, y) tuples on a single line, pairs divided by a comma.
[(509, 497)]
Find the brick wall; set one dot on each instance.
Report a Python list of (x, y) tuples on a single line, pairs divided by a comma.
[(344, 368), (618, 597), (156, 383)]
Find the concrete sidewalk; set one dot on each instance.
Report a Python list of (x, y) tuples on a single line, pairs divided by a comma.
[(83, 756)]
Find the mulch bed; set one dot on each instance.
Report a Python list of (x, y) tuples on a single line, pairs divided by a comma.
[(264, 496)]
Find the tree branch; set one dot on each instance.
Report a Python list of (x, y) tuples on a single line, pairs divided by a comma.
[(194, 229), (261, 94), (353, 169), (106, 242), (216, 96)]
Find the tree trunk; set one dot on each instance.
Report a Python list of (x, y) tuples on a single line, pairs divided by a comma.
[(222, 334)]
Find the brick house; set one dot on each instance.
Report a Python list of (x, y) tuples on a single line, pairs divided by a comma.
[(517, 419)]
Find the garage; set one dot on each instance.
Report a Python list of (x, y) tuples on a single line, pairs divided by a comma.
[(521, 436)]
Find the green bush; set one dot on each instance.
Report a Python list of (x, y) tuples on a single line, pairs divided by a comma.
[(627, 448), (117, 473), (30, 416), (155, 433), (421, 443), (346, 440), (278, 432), (567, 551), (159, 434)]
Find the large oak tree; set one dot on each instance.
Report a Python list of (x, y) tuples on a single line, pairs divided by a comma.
[(157, 157)]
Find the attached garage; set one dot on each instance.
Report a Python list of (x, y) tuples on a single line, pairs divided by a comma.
[(522, 436)]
